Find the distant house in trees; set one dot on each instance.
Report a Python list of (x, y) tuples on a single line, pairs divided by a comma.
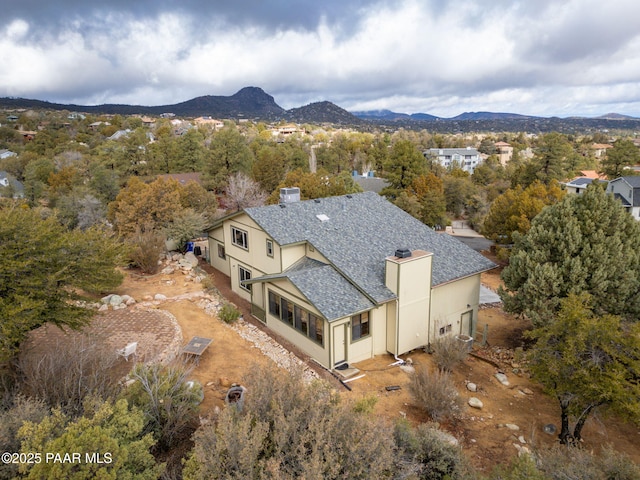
[(465, 158), (600, 149), (211, 122), (578, 185), (505, 152), (10, 186), (627, 190), (349, 277), (4, 153)]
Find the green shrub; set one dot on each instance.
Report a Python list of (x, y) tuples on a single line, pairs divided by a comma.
[(424, 453), (365, 404), (169, 402), (229, 313), (145, 248)]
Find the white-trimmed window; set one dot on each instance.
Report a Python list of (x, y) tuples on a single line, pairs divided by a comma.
[(297, 317), (221, 253), (359, 326), (244, 276), (239, 238), (269, 247)]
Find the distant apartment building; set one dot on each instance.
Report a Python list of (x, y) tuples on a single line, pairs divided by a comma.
[(465, 158)]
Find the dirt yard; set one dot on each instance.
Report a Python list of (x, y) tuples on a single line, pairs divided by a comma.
[(482, 432)]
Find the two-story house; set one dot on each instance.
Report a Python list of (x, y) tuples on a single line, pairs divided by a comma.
[(346, 278), (465, 158), (627, 190), (505, 152)]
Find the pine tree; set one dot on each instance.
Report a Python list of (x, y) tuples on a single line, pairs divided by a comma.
[(585, 243), (623, 155)]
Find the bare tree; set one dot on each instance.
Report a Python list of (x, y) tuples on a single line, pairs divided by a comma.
[(243, 192), (66, 375)]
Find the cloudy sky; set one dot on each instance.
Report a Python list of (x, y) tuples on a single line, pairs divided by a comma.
[(444, 57)]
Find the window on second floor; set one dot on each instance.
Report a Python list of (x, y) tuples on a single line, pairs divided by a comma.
[(239, 238), (269, 247)]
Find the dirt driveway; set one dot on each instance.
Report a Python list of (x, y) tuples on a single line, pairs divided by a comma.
[(482, 433)]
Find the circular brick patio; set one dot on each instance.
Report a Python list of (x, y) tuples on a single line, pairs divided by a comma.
[(157, 332)]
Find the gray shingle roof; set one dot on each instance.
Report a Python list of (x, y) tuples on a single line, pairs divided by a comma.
[(580, 181), (324, 287), (633, 180), (361, 231)]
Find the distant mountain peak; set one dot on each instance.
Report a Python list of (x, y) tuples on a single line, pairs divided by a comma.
[(323, 112)]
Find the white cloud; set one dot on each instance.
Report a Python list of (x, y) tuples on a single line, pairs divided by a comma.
[(439, 57)]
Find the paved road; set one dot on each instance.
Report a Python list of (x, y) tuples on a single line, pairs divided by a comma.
[(478, 243)]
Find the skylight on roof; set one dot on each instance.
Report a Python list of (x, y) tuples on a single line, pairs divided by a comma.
[(322, 217)]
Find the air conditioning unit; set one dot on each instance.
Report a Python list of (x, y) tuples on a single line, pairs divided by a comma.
[(289, 195)]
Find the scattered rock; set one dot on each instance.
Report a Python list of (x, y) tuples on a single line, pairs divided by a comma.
[(160, 297), (472, 387), (475, 403), (522, 440), (512, 426), (522, 450), (407, 368), (502, 378), (446, 437), (106, 299)]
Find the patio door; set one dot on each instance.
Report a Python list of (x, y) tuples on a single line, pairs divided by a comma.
[(339, 344)]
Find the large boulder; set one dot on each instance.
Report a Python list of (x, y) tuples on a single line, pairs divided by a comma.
[(191, 258)]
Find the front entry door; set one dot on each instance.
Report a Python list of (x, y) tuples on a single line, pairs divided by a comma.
[(339, 344)]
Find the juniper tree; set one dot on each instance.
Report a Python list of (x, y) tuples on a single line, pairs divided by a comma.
[(43, 268), (584, 243), (587, 361)]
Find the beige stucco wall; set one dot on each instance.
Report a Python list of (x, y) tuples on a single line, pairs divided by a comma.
[(410, 279), (256, 254), (450, 301), (291, 254), (216, 237)]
